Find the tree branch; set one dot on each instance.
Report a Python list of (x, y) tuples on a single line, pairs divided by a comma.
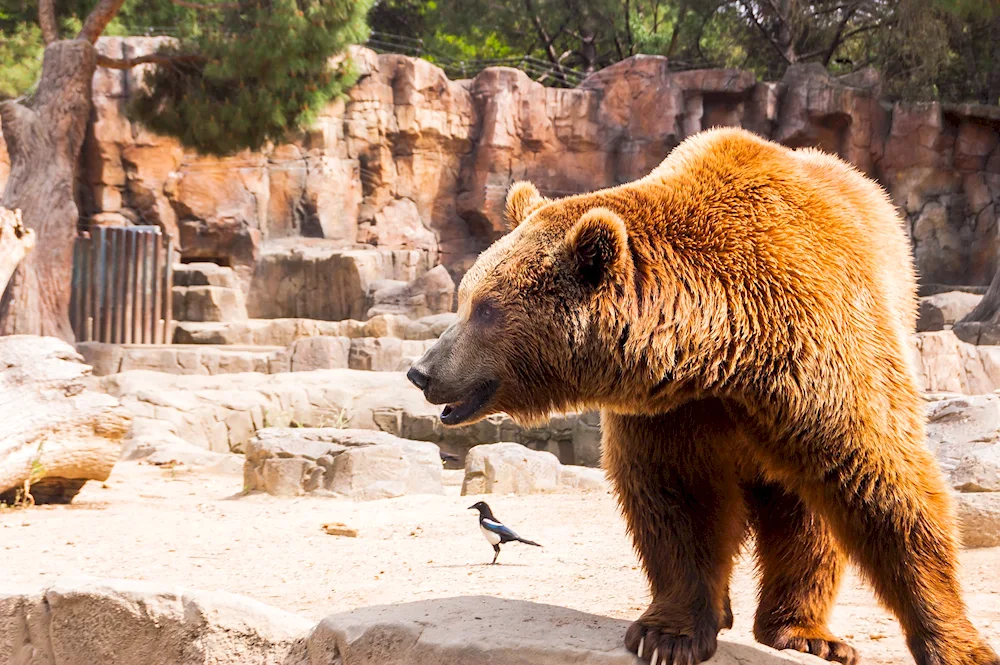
[(47, 19), (764, 31), (152, 58), (837, 36), (99, 18), (199, 6)]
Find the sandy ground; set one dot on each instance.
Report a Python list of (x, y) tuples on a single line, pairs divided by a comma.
[(194, 529)]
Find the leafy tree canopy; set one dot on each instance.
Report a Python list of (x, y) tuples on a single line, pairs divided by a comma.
[(234, 75), (925, 49)]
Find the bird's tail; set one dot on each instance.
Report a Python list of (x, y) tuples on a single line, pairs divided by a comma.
[(528, 542)]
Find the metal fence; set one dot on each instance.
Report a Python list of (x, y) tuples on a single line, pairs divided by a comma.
[(122, 278)]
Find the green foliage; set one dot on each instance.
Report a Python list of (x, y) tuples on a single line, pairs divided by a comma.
[(250, 74), (20, 59), (925, 49), (240, 75)]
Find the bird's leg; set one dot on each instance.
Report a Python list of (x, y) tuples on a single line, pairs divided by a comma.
[(496, 548)]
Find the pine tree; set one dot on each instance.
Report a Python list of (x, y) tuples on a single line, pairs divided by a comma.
[(237, 75)]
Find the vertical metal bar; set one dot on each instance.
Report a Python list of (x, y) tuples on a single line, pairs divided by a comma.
[(112, 290), (168, 290), (138, 314), (86, 255), (122, 282), (128, 283), (74, 290), (157, 291), (106, 287), (96, 259)]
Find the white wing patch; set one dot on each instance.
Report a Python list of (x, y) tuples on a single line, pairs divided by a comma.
[(492, 538)]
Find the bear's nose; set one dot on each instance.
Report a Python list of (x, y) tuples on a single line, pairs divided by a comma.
[(418, 378)]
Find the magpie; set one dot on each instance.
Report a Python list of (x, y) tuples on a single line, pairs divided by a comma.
[(495, 532)]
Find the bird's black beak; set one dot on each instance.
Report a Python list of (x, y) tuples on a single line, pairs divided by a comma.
[(471, 508)]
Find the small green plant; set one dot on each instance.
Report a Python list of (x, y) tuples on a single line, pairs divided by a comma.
[(22, 496)]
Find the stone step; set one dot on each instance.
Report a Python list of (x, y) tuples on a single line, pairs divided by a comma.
[(208, 303), (378, 354), (223, 412), (283, 332), (205, 274)]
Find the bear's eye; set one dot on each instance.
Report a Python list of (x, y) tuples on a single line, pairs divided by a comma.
[(485, 312)]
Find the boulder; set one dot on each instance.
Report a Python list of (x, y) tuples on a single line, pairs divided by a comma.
[(945, 309), (479, 629), (319, 353), (930, 318), (431, 293), (979, 519), (360, 464), (509, 468), (155, 442), (323, 280), (118, 622), (205, 274), (958, 426), (944, 363), (582, 478), (979, 471), (208, 303), (56, 433)]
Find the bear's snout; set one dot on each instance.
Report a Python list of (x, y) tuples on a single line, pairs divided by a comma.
[(418, 378)]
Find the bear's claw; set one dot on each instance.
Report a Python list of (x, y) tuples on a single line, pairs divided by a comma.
[(819, 643), (657, 647)]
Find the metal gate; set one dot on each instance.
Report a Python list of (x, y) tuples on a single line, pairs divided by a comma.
[(122, 279)]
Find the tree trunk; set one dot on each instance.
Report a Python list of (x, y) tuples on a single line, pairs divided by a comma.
[(44, 137), (55, 433), (15, 243), (982, 324)]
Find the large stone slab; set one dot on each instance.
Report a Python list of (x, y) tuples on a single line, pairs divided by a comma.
[(360, 464), (477, 629), (120, 622)]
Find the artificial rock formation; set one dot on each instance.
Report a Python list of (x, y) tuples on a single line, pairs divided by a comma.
[(412, 162)]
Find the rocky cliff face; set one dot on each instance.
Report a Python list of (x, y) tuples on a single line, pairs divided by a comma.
[(412, 161)]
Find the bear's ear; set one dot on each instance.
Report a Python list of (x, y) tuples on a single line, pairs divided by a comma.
[(522, 199), (598, 243)]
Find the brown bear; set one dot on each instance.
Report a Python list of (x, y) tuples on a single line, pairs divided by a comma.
[(741, 317)]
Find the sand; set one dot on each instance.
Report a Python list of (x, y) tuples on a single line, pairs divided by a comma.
[(196, 529)]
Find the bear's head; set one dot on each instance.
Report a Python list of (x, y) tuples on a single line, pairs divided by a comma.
[(534, 313)]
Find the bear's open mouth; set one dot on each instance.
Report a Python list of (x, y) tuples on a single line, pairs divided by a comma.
[(457, 413)]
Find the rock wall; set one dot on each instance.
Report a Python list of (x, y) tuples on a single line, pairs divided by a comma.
[(411, 160)]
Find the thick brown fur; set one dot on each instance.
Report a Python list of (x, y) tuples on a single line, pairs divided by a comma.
[(741, 316)]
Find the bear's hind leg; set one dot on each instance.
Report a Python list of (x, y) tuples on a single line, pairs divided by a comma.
[(684, 508), (800, 566)]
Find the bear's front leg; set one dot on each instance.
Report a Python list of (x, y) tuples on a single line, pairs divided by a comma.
[(681, 500)]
